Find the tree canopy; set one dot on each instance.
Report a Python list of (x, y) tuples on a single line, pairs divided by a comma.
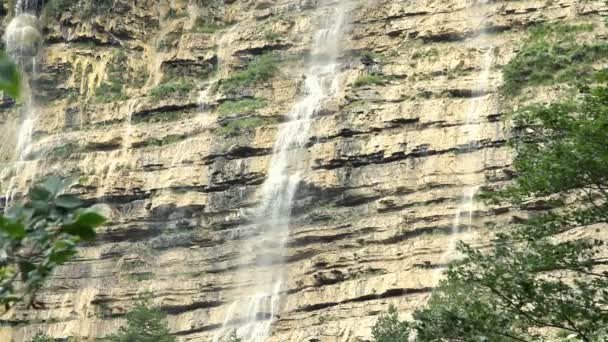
[(145, 323)]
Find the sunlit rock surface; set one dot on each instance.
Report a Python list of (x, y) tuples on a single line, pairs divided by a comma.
[(373, 219)]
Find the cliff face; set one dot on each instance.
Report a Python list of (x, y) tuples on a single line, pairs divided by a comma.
[(391, 160)]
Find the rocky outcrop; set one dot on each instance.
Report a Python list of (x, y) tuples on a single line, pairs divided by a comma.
[(389, 161)]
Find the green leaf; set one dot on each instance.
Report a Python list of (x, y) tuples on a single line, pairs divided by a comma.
[(25, 267), (40, 193), (81, 231), (10, 79), (54, 185), (90, 218), (14, 229), (62, 256), (68, 202)]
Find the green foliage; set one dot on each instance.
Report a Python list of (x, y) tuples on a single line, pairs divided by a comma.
[(144, 324), (240, 106), (552, 53), (10, 79), (234, 337), (271, 36), (141, 276), (366, 80), (237, 125), (164, 116), (109, 92), (201, 25), (39, 235), (41, 337), (370, 56), (530, 284), (389, 328), (173, 88), (167, 140), (260, 69), (431, 54), (55, 8), (112, 88)]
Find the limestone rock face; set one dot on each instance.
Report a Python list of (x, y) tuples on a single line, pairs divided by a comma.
[(389, 164)]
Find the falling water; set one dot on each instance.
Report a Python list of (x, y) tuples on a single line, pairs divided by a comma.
[(472, 132), (23, 41), (286, 169)]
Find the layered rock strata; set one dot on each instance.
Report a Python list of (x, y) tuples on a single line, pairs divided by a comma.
[(389, 161)]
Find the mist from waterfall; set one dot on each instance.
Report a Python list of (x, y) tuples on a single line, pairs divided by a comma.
[(23, 40), (471, 131), (257, 312)]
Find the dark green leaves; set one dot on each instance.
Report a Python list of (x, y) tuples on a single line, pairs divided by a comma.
[(39, 235), (83, 224), (145, 323), (389, 328), (10, 79), (13, 229), (534, 284)]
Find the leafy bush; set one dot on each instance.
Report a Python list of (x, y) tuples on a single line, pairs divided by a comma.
[(145, 323), (42, 337), (532, 282), (168, 140), (110, 91), (141, 276), (39, 235), (271, 36), (240, 106), (112, 88), (389, 328), (10, 78), (260, 69), (164, 116), (365, 80), (177, 87), (237, 125), (552, 53)]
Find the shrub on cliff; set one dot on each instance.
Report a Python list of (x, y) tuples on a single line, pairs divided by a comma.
[(553, 53), (145, 323), (389, 328), (180, 87), (41, 337), (546, 275), (260, 69)]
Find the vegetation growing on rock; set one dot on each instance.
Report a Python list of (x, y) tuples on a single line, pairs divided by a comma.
[(145, 323), (552, 53), (240, 106), (180, 87), (261, 69)]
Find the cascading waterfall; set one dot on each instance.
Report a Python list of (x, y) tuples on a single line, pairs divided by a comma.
[(284, 175), (472, 131), (23, 40)]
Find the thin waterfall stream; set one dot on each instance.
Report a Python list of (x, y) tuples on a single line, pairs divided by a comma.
[(285, 172), (23, 41), (463, 219)]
